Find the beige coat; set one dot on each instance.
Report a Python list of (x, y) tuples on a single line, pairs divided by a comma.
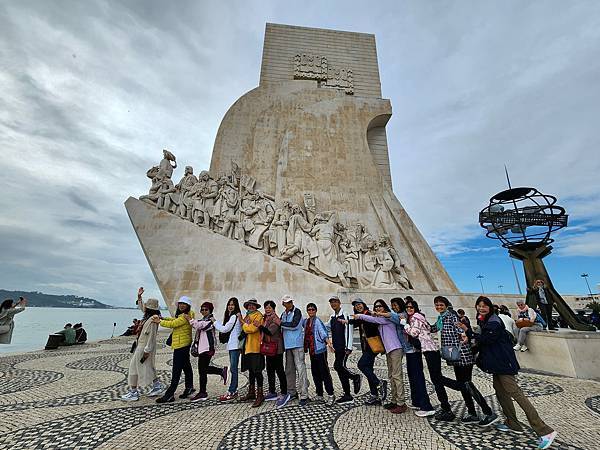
[(7, 323), (143, 374)]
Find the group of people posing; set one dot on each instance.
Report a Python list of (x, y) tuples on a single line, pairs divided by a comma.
[(280, 342)]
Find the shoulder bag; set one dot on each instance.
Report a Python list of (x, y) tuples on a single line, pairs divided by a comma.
[(450, 353), (376, 344)]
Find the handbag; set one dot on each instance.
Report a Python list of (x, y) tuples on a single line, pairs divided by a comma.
[(376, 344), (414, 342), (224, 337), (268, 348), (450, 353), (169, 340), (524, 323)]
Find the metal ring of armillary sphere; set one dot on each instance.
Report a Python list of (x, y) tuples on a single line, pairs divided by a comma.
[(522, 217)]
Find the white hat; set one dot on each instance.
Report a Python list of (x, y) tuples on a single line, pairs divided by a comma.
[(184, 299), (286, 299)]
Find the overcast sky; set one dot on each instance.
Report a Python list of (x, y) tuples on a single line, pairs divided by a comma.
[(92, 91)]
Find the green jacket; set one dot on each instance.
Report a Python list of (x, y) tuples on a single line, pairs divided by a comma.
[(69, 334)]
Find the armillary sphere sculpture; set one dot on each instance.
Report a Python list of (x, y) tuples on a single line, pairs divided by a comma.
[(523, 219)]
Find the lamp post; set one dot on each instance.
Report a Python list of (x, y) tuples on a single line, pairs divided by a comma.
[(500, 287), (481, 277), (585, 277)]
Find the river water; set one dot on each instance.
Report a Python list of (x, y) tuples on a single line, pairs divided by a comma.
[(33, 325)]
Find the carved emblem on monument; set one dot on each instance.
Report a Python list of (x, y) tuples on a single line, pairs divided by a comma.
[(318, 242), (316, 67)]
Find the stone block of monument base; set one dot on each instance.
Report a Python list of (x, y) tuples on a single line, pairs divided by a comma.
[(570, 353)]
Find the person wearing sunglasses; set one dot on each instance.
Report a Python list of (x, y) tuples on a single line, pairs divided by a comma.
[(316, 341)]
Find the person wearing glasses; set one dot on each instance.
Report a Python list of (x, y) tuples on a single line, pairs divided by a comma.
[(393, 354), (316, 342)]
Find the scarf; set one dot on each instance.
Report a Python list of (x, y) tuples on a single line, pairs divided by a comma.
[(440, 320)]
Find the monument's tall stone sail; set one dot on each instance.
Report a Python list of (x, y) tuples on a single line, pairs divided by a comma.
[(298, 198)]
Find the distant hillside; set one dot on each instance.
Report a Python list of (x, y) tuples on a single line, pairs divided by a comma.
[(53, 301)]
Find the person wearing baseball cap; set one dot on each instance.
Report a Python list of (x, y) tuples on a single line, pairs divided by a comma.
[(142, 366), (293, 341), (181, 340)]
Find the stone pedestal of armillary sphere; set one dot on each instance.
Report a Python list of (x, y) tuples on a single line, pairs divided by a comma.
[(298, 198)]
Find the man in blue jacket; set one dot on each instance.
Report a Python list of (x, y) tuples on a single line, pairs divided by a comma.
[(293, 341)]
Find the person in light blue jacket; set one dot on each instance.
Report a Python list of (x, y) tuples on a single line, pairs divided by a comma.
[(293, 341), (316, 341)]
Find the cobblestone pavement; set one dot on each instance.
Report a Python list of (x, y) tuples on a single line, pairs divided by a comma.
[(69, 399)]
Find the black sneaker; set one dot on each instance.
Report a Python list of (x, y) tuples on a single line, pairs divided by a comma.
[(165, 399), (389, 405), (489, 420), (470, 418), (356, 383), (373, 400), (187, 392), (444, 416), (382, 389), (344, 400)]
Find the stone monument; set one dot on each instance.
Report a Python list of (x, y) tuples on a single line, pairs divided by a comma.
[(298, 199)]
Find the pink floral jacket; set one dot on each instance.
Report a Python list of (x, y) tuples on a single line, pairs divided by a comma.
[(418, 327)]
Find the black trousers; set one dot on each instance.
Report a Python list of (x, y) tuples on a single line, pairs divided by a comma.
[(204, 369), (320, 373), (416, 378), (546, 309), (275, 367), (339, 365), (181, 363), (434, 365), (365, 365), (464, 374)]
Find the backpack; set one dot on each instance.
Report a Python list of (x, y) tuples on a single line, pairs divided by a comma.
[(539, 319)]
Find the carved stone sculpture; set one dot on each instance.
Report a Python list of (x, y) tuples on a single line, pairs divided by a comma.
[(326, 261)]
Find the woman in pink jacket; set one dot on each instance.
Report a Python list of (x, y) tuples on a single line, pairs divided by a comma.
[(205, 341), (418, 327)]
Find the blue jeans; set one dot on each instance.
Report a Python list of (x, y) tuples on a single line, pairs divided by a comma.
[(365, 365), (416, 378), (234, 362)]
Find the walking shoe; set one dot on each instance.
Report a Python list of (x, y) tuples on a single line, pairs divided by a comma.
[(524, 348), (344, 400), (251, 395), (157, 389), (319, 399), (470, 418), (330, 400), (224, 375), (389, 405), (303, 402), (422, 413), (199, 397), (228, 397), (356, 382), (488, 420), (132, 396), (373, 400), (444, 416), (517, 347), (187, 392), (382, 390), (165, 399), (271, 396), (505, 428), (282, 400), (546, 441), (260, 398), (414, 407), (399, 409)]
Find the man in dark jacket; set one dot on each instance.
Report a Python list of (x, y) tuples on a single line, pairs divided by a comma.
[(543, 298)]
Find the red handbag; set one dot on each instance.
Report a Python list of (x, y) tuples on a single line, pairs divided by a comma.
[(268, 348)]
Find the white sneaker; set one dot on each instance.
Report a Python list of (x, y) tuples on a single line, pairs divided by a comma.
[(524, 348), (516, 348), (546, 441), (421, 413), (132, 396), (157, 389), (319, 399)]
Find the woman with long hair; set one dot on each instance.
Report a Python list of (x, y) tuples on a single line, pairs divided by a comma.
[(205, 345), (181, 339), (418, 327), (497, 357), (393, 354), (142, 366), (453, 337), (272, 333), (229, 332)]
